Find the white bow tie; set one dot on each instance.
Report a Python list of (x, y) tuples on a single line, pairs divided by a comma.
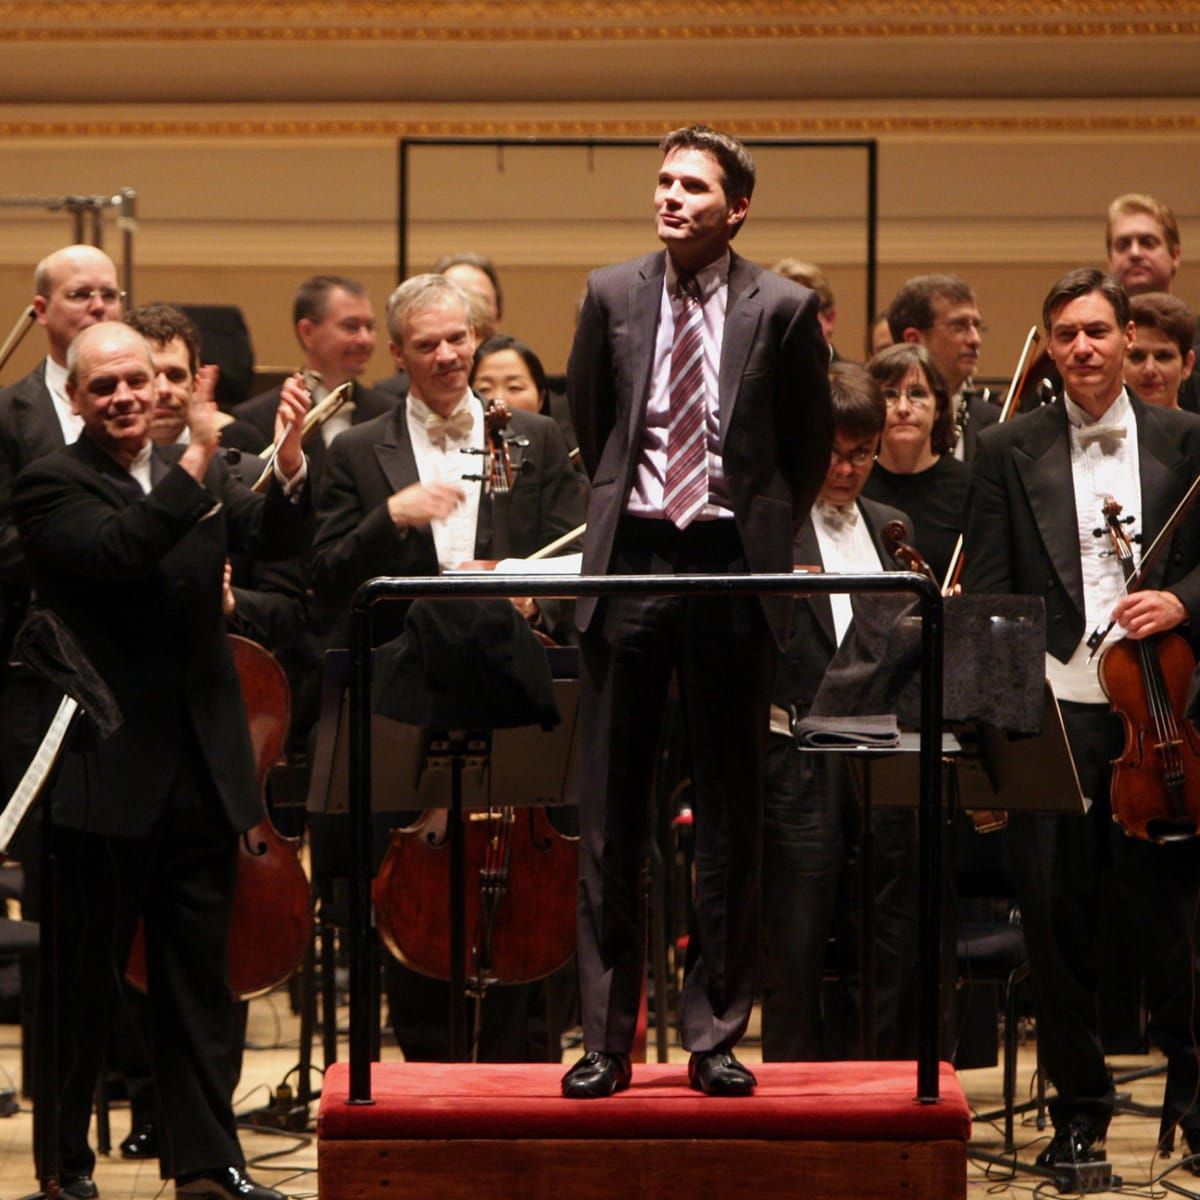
[(1108, 437), (454, 428), (838, 516)]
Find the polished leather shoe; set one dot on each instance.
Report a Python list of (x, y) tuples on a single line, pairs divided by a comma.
[(226, 1183), (1074, 1143), (78, 1187), (142, 1142), (597, 1074), (718, 1073)]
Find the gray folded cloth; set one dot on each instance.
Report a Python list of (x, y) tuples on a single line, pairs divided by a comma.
[(876, 731)]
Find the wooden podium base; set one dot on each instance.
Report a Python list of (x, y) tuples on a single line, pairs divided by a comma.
[(811, 1131)]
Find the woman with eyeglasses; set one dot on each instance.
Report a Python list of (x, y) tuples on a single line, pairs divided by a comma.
[(915, 470)]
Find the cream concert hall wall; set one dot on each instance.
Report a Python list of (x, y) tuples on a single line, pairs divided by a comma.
[(261, 140)]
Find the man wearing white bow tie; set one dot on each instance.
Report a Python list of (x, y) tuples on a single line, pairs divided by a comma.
[(810, 813), (1038, 487), (397, 497)]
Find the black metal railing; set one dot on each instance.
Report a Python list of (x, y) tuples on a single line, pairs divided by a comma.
[(487, 586)]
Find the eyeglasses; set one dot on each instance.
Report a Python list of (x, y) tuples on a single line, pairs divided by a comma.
[(964, 325), (917, 396), (856, 458), (110, 296)]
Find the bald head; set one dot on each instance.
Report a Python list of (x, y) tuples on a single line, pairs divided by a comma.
[(110, 380), (76, 287)]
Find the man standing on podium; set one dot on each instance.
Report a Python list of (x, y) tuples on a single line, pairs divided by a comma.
[(698, 388)]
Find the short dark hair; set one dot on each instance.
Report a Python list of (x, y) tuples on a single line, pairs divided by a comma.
[(891, 365), (1168, 314), (538, 373), (312, 297), (912, 306), (1083, 282), (163, 323), (468, 258), (731, 156), (858, 407)]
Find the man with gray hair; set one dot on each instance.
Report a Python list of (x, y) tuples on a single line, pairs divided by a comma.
[(399, 499)]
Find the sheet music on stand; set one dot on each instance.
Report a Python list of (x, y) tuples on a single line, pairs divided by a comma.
[(37, 773)]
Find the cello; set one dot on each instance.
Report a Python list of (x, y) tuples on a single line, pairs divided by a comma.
[(270, 922), (1156, 781)]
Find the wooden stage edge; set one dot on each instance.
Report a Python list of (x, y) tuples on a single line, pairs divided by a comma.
[(588, 1169)]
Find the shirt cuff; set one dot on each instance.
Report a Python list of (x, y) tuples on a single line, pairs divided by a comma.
[(291, 487)]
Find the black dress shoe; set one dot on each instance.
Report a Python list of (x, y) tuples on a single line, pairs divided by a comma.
[(1074, 1143), (718, 1073), (597, 1074), (226, 1183), (142, 1142), (78, 1187)]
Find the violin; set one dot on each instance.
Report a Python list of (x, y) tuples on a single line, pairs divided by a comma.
[(1008, 410), (1156, 781), (909, 557), (270, 924)]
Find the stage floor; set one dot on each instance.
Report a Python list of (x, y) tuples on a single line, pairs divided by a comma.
[(273, 1032)]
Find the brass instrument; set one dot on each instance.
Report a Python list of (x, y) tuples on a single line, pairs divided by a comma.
[(313, 419), (19, 330)]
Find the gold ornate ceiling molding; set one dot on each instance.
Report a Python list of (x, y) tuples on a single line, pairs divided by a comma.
[(1160, 124), (584, 20)]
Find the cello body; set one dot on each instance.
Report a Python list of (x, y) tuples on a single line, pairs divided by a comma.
[(270, 923), (520, 910)]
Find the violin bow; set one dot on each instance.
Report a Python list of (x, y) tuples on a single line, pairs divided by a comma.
[(1134, 582), (1020, 375)]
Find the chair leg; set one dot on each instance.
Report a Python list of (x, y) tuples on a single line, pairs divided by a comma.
[(1010, 1058)]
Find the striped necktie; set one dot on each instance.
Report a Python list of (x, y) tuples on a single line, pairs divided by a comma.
[(687, 449)]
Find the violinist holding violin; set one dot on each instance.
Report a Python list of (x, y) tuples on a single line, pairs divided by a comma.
[(127, 543), (1034, 507)]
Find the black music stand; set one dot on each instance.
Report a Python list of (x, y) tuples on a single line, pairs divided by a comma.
[(417, 766)]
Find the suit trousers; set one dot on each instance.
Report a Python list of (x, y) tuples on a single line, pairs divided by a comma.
[(180, 879), (723, 657), (1066, 868)]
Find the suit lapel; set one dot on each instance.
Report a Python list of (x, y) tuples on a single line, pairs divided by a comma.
[(395, 453), (40, 427), (1043, 461), (807, 552), (743, 312), (1163, 475), (645, 301)]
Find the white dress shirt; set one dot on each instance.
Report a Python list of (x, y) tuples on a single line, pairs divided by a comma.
[(453, 536)]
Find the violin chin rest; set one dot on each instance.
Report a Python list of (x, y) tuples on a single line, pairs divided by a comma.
[(1163, 830)]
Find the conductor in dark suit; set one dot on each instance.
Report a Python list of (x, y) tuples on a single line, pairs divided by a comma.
[(127, 544), (698, 388), (811, 813), (1037, 489)]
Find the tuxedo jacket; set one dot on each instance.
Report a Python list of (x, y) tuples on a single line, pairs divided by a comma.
[(813, 638), (775, 421), (29, 429), (1021, 533), (356, 539), (981, 413), (254, 426), (137, 580)]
